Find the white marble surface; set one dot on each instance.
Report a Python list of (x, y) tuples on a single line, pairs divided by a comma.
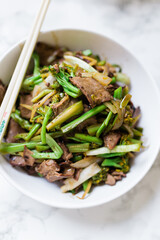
[(135, 24)]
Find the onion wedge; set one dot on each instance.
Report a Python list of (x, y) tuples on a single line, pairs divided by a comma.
[(88, 172), (85, 162)]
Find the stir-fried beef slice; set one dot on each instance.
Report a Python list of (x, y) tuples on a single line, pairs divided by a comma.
[(2, 91), (49, 169), (110, 180), (27, 155), (12, 130), (62, 105), (66, 154), (92, 89), (48, 53), (17, 161), (115, 173), (86, 123), (25, 99), (111, 139), (30, 170)]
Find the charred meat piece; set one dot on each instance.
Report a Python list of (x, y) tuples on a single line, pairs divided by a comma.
[(17, 161), (25, 99), (12, 130), (111, 139), (48, 53), (110, 180), (2, 91), (92, 89), (27, 155)]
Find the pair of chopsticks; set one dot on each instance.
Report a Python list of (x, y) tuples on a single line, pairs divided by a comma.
[(20, 70)]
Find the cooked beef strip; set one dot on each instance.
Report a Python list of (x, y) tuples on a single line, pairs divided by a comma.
[(115, 173), (30, 170), (62, 105), (2, 91), (77, 173), (110, 180), (48, 53), (25, 99), (92, 89), (50, 170), (17, 161), (111, 139), (12, 130), (27, 155), (66, 154)]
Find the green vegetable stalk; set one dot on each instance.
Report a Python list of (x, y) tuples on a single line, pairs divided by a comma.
[(78, 147), (22, 122), (104, 124), (82, 118), (34, 129), (44, 124), (88, 138)]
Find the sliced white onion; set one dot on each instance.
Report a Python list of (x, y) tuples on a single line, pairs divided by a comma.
[(85, 162), (111, 107), (120, 148), (39, 88), (74, 60), (86, 173), (50, 79)]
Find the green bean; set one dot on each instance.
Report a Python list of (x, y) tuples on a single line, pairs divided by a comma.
[(111, 155), (77, 148), (82, 118), (54, 146), (40, 148), (76, 139), (104, 124), (33, 131), (56, 134), (44, 155), (22, 122), (89, 138), (17, 147), (112, 162), (44, 124)]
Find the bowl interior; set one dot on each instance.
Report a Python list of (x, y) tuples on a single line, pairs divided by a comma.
[(144, 94)]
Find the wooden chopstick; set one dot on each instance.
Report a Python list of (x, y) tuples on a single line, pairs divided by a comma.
[(20, 70)]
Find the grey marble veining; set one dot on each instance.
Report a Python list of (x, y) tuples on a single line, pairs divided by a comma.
[(136, 24)]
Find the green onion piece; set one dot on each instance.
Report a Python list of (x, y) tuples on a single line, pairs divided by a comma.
[(101, 63), (104, 124), (125, 91), (112, 162), (87, 52), (111, 155), (17, 147), (54, 146), (69, 112), (88, 138), (72, 94), (33, 131), (36, 60), (30, 82), (21, 136), (77, 148), (40, 148), (82, 118), (121, 77), (132, 140), (118, 93), (93, 129), (41, 94), (22, 122), (119, 148), (125, 101), (44, 124), (113, 80), (137, 133)]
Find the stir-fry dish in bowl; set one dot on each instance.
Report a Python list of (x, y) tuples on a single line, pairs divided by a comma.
[(74, 121)]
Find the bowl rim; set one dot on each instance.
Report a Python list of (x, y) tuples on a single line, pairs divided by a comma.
[(132, 185)]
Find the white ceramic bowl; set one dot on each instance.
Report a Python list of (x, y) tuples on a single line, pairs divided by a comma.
[(145, 94)]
